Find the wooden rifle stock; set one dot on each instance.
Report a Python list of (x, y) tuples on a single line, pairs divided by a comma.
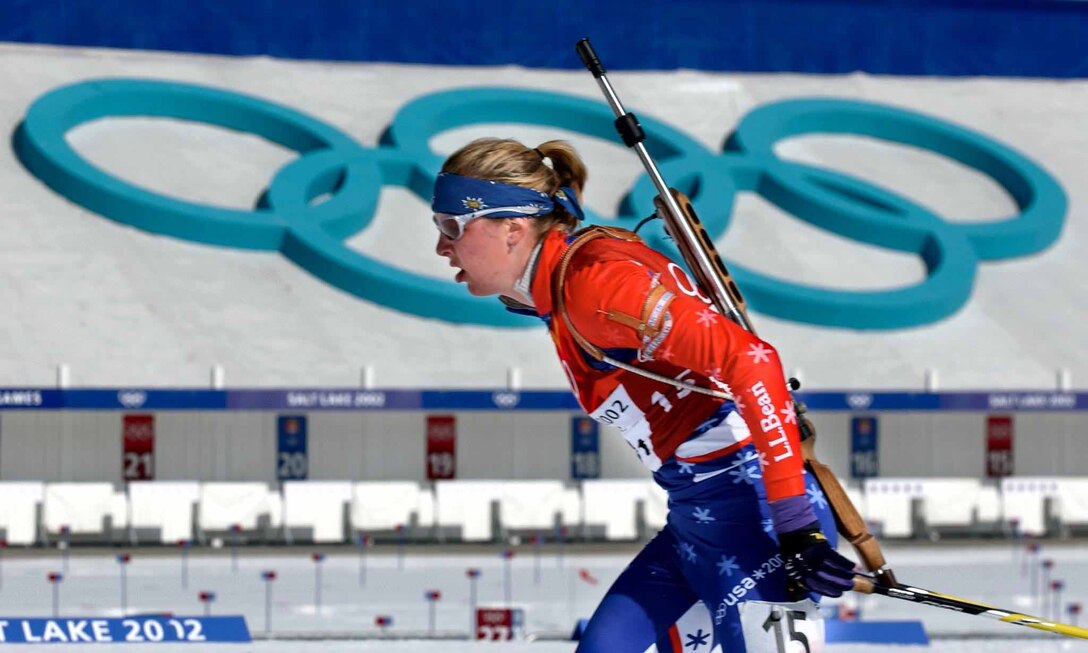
[(736, 304), (848, 520)]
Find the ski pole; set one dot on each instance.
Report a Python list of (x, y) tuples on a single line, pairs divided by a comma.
[(864, 583)]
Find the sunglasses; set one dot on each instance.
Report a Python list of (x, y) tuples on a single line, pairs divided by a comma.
[(452, 226)]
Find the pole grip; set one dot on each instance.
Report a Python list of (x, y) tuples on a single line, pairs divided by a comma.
[(863, 584), (589, 57)]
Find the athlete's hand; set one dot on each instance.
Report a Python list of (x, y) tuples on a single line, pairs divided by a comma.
[(812, 565)]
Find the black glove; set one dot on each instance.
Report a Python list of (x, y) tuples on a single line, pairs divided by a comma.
[(812, 565)]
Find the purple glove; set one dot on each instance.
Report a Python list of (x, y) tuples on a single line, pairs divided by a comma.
[(811, 563)]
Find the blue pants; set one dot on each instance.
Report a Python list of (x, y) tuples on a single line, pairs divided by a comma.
[(718, 546)]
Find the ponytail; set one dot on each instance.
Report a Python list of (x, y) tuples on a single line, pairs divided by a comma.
[(569, 171)]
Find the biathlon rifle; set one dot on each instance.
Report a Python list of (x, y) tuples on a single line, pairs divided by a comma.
[(702, 258)]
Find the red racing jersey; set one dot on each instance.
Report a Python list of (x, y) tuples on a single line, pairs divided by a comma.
[(642, 308)]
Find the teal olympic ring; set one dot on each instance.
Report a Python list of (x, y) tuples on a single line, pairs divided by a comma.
[(286, 217)]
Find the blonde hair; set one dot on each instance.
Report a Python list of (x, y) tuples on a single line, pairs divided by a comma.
[(507, 161)]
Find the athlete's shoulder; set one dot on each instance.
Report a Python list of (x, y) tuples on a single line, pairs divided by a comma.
[(603, 269)]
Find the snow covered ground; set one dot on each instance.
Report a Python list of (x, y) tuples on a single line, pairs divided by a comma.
[(989, 572)]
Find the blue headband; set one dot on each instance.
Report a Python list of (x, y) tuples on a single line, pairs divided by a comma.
[(459, 195)]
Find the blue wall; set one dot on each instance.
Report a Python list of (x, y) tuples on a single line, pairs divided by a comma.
[(1030, 38), (341, 399)]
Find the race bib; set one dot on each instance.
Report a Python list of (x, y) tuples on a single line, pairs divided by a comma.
[(782, 628), (619, 411)]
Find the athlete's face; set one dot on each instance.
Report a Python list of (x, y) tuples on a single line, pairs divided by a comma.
[(485, 255)]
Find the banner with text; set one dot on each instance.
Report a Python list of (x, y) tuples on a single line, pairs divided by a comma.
[(292, 461), (309, 399), (139, 630), (864, 447), (441, 447), (999, 458), (585, 448), (138, 447)]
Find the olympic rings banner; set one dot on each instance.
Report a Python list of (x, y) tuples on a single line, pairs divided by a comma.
[(330, 162)]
